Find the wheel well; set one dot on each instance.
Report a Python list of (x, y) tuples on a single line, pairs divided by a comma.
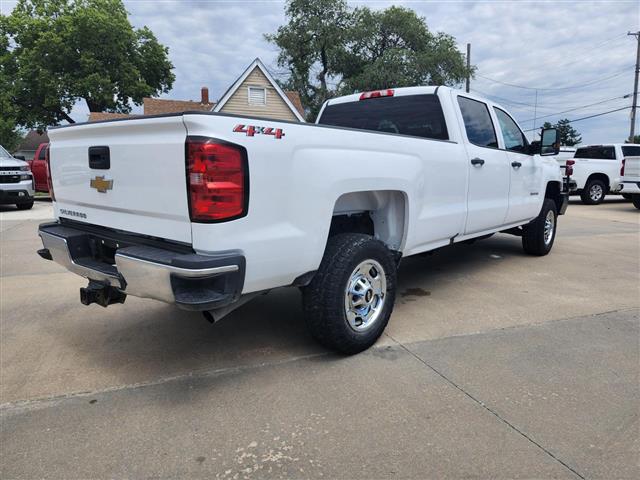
[(598, 176), (553, 192), (380, 213)]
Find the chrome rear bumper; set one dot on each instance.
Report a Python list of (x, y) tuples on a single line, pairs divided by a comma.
[(191, 281)]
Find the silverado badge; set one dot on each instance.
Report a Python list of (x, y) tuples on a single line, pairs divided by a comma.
[(100, 184)]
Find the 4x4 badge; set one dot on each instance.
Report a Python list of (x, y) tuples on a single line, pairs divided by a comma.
[(100, 184)]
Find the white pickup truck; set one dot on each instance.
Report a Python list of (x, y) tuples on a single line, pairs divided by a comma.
[(207, 210), (597, 170)]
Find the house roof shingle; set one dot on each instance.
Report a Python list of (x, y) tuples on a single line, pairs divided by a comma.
[(100, 116), (32, 140), (157, 106), (294, 98)]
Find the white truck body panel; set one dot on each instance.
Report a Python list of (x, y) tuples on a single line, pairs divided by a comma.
[(585, 168), (147, 170), (631, 177), (425, 192)]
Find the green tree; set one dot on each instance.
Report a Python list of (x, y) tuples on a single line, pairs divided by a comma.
[(569, 136), (10, 135), (636, 139), (312, 47), (330, 49), (58, 52)]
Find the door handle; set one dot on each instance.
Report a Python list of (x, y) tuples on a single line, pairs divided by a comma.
[(477, 161), (516, 164)]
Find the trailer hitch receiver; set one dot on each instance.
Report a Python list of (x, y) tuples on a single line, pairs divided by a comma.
[(101, 293)]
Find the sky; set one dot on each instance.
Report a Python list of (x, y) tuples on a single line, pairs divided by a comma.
[(575, 56)]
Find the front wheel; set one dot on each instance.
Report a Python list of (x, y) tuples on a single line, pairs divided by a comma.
[(348, 303), (594, 192), (539, 235), (635, 199)]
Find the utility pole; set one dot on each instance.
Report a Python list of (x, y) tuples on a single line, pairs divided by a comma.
[(634, 106), (469, 67)]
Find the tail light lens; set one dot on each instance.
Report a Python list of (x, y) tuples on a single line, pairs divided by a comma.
[(47, 159), (377, 94), (622, 168), (569, 170), (217, 180)]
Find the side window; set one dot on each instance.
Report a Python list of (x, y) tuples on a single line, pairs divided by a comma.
[(477, 123), (628, 151), (43, 151), (513, 137)]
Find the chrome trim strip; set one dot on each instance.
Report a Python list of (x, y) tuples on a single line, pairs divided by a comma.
[(124, 210)]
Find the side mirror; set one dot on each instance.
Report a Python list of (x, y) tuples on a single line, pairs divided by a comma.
[(19, 157), (549, 142)]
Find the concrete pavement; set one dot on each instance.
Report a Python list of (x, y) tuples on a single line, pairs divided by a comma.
[(495, 364)]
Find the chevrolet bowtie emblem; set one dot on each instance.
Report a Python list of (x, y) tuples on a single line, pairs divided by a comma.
[(100, 184)]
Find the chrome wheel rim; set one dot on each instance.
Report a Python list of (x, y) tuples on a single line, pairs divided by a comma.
[(365, 295), (595, 192), (549, 224)]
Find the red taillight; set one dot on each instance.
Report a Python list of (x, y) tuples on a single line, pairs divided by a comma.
[(47, 159), (217, 179), (569, 170), (622, 168), (376, 94)]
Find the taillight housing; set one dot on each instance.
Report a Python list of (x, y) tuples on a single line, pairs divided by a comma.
[(377, 94), (569, 167), (217, 180), (47, 160), (622, 168)]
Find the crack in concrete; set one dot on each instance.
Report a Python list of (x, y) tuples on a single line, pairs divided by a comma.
[(487, 408)]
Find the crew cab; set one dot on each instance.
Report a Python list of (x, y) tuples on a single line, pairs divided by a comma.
[(597, 170), (206, 210), (631, 175), (16, 181)]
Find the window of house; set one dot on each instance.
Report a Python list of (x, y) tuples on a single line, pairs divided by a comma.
[(257, 96), (478, 123)]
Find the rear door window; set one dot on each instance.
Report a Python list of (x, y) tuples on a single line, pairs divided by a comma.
[(43, 152), (415, 115), (629, 151), (478, 123), (596, 153)]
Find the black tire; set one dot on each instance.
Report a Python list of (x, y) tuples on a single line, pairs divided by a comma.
[(635, 199), (533, 234), (324, 298), (25, 206), (588, 197)]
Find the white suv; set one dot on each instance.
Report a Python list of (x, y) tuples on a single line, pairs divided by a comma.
[(16, 181), (598, 168)]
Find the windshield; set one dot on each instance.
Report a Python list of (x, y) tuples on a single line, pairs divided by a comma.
[(4, 154), (416, 115)]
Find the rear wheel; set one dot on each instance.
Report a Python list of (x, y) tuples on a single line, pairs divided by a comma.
[(636, 201), (539, 235), (594, 192), (348, 303), (24, 206)]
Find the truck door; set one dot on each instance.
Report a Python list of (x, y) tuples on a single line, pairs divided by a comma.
[(488, 188), (525, 196), (39, 168)]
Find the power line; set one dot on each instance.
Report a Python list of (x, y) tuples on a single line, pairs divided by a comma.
[(581, 107), (586, 118), (593, 82)]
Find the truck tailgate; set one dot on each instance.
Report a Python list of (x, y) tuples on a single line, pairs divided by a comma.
[(140, 187)]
